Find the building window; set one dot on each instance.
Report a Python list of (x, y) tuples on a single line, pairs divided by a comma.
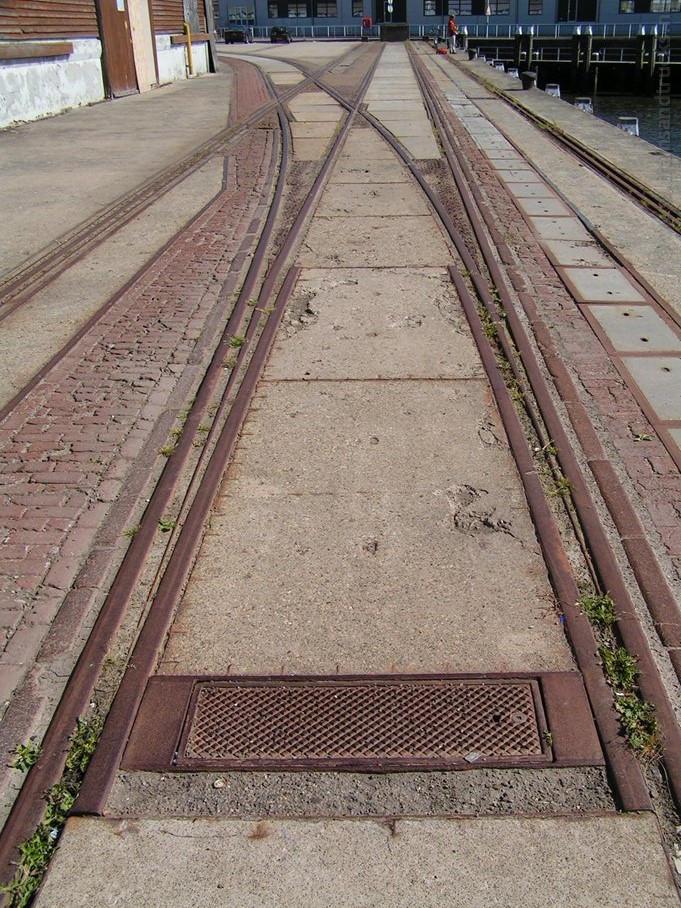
[(491, 7), (535, 7), (297, 10), (429, 8), (326, 10), (273, 10), (357, 8), (459, 8), (650, 6), (242, 14)]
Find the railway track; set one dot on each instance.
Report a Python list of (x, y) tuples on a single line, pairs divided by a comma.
[(485, 278), (647, 198)]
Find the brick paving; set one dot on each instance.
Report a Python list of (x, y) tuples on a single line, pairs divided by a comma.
[(68, 447)]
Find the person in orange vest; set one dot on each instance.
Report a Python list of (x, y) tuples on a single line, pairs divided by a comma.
[(452, 31)]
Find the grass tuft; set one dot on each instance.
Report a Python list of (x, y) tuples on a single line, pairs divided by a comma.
[(35, 853), (599, 609)]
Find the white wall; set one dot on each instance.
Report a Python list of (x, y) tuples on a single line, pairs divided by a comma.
[(31, 89), (172, 59)]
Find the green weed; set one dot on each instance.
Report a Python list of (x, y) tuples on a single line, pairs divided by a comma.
[(639, 725), (619, 666), (26, 756), (561, 486), (600, 609), (35, 853)]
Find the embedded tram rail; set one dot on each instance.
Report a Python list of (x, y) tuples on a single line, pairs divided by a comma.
[(401, 503)]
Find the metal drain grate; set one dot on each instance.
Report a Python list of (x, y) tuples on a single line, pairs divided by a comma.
[(258, 724)]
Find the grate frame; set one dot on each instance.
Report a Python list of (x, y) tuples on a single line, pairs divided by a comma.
[(167, 706)]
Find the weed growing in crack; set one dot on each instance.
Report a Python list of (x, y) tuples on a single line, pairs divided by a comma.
[(35, 853), (621, 668), (599, 609), (26, 756), (639, 725), (561, 486)]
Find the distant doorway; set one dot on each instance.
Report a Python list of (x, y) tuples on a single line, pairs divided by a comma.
[(399, 13)]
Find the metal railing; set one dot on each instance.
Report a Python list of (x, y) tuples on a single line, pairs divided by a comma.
[(481, 30)]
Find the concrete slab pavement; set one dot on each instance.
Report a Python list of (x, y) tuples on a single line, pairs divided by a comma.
[(57, 173), (647, 243), (508, 863)]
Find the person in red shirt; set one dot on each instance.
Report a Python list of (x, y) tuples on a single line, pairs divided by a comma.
[(451, 34)]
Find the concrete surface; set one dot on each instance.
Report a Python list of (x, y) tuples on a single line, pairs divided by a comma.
[(36, 330), (648, 244), (509, 863), (59, 173), (355, 506), (56, 173), (409, 315), (404, 113), (258, 795)]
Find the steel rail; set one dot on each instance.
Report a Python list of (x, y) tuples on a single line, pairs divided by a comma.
[(660, 599), (601, 555), (615, 253), (653, 583), (28, 806), (627, 778)]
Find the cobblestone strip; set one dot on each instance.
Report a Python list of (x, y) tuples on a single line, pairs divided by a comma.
[(68, 446), (624, 429)]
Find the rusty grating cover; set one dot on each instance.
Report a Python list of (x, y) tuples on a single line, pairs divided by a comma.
[(336, 724)]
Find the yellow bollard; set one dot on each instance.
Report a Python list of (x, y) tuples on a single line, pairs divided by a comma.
[(188, 35)]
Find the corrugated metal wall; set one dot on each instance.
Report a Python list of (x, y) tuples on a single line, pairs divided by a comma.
[(40, 19), (47, 19), (169, 15)]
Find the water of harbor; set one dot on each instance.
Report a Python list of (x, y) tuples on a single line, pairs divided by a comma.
[(659, 118)]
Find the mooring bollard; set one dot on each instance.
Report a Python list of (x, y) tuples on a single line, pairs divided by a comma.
[(529, 79), (553, 89), (512, 71), (472, 53)]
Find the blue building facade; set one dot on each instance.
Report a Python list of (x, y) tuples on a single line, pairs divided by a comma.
[(338, 18)]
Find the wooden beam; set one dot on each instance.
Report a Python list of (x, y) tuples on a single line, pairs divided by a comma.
[(196, 38), (23, 50)]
